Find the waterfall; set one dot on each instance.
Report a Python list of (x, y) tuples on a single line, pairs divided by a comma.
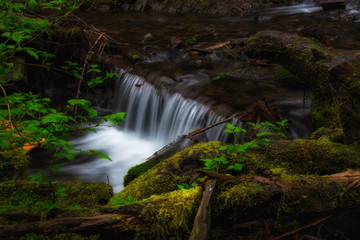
[(160, 116), (154, 118)]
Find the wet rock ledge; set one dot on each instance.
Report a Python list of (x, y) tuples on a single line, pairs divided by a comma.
[(232, 7)]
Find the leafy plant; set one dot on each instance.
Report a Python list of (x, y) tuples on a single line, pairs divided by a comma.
[(265, 129), (116, 200), (186, 186), (25, 118), (215, 163)]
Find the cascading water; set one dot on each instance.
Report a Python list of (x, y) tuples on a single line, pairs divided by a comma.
[(154, 118), (161, 116)]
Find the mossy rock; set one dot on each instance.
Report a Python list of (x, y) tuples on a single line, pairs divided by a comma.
[(333, 77), (32, 198), (335, 135), (170, 214), (87, 194), (13, 162), (138, 170), (242, 200), (312, 156), (169, 173)]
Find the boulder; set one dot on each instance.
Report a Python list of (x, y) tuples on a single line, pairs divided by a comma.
[(332, 76)]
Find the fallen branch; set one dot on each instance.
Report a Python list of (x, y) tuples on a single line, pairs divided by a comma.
[(301, 229), (202, 220), (197, 131), (81, 225)]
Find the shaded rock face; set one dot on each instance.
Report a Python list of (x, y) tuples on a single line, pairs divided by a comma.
[(328, 5), (332, 76)]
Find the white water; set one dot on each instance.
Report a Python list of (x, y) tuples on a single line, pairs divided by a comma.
[(308, 6), (154, 119)]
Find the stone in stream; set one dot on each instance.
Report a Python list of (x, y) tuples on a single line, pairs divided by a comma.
[(328, 5)]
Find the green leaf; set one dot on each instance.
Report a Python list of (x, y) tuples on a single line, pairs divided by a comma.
[(230, 126), (55, 118), (31, 5), (76, 207), (261, 134), (60, 192), (135, 58), (94, 70), (103, 156), (116, 118), (89, 129), (84, 104), (70, 156), (32, 53), (236, 166), (4, 143), (56, 166), (7, 35), (224, 147), (263, 142)]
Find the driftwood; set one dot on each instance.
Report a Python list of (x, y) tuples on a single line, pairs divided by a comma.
[(202, 220)]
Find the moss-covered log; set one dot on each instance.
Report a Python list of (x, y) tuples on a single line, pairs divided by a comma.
[(171, 214)]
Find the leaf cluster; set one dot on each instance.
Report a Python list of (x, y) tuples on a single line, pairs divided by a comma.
[(265, 129), (25, 117)]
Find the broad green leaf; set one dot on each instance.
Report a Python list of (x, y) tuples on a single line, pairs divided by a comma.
[(236, 166), (4, 143), (56, 167), (32, 53), (31, 5), (76, 207), (261, 134), (116, 118), (70, 156), (103, 156), (7, 35), (55, 118), (60, 192)]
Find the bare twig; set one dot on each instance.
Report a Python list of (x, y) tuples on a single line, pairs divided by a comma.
[(197, 131), (84, 67), (8, 106), (301, 229)]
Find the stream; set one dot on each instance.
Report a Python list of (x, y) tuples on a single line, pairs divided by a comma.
[(157, 116)]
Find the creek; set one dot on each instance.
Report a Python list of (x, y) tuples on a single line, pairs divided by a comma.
[(156, 116)]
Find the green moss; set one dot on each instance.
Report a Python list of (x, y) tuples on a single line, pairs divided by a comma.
[(324, 111), (314, 180), (138, 170), (243, 200), (330, 134), (44, 200), (86, 194), (13, 162), (169, 173), (170, 214), (312, 156), (284, 76)]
